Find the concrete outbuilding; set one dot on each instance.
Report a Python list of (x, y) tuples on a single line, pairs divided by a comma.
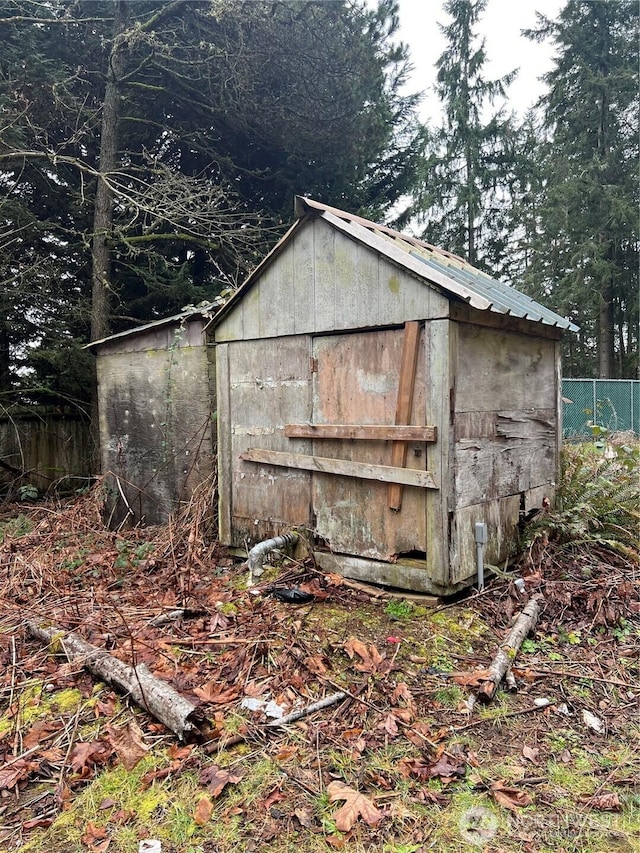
[(156, 404)]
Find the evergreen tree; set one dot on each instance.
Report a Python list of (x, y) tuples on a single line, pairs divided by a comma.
[(586, 255), (468, 162), (149, 151)]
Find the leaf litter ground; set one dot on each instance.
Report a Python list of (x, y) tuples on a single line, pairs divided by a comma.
[(403, 763)]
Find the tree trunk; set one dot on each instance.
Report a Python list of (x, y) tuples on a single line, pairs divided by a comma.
[(606, 325), (103, 211), (5, 359)]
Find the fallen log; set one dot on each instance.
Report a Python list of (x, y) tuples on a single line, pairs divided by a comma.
[(509, 648), (158, 698)]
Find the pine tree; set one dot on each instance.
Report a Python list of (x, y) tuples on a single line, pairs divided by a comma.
[(587, 248), (468, 161)]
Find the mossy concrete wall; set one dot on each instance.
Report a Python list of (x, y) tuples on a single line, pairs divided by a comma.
[(157, 412)]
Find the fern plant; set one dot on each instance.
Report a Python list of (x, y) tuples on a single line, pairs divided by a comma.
[(598, 498)]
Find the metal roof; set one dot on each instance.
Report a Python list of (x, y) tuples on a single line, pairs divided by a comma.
[(206, 310), (443, 268), (437, 266)]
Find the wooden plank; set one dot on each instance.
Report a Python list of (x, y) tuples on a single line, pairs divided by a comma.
[(324, 465), (403, 574), (406, 384), (356, 289), (357, 383), (501, 517), (464, 313), (301, 262), (324, 266), (223, 419), (271, 303), (486, 470), (440, 369), (269, 386), (558, 392), (369, 432), (390, 250), (500, 371)]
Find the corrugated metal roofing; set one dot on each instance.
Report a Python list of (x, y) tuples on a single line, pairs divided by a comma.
[(449, 271), (206, 310)]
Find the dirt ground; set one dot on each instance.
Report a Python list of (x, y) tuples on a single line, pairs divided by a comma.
[(404, 761)]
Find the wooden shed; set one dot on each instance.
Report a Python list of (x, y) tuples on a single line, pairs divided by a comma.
[(384, 396), (156, 406)]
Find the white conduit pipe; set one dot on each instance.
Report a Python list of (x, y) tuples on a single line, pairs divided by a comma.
[(258, 553)]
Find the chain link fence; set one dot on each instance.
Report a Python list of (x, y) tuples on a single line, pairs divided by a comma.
[(610, 403)]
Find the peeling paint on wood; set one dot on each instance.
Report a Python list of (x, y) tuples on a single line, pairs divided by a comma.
[(352, 514)]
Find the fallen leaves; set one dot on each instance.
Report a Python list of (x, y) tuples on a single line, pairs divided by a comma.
[(86, 754), (356, 806), (214, 693), (204, 810), (260, 649), (128, 742), (606, 801), (95, 838), (471, 679), (511, 798), (446, 768), (16, 771), (315, 665), (217, 779), (371, 661), (305, 816), (38, 733)]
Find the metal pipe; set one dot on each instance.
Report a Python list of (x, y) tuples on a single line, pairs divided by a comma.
[(481, 538), (258, 553)]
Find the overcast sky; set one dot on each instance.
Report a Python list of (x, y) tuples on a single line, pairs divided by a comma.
[(506, 49)]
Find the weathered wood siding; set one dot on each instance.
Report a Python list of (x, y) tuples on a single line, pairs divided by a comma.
[(440, 360), (156, 418), (267, 386), (317, 339), (356, 382), (505, 453), (323, 281), (44, 448)]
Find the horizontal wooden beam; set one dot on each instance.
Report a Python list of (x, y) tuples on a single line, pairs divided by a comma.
[(370, 432), (343, 467)]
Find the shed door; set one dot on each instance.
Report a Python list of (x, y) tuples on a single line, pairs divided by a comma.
[(355, 381)]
